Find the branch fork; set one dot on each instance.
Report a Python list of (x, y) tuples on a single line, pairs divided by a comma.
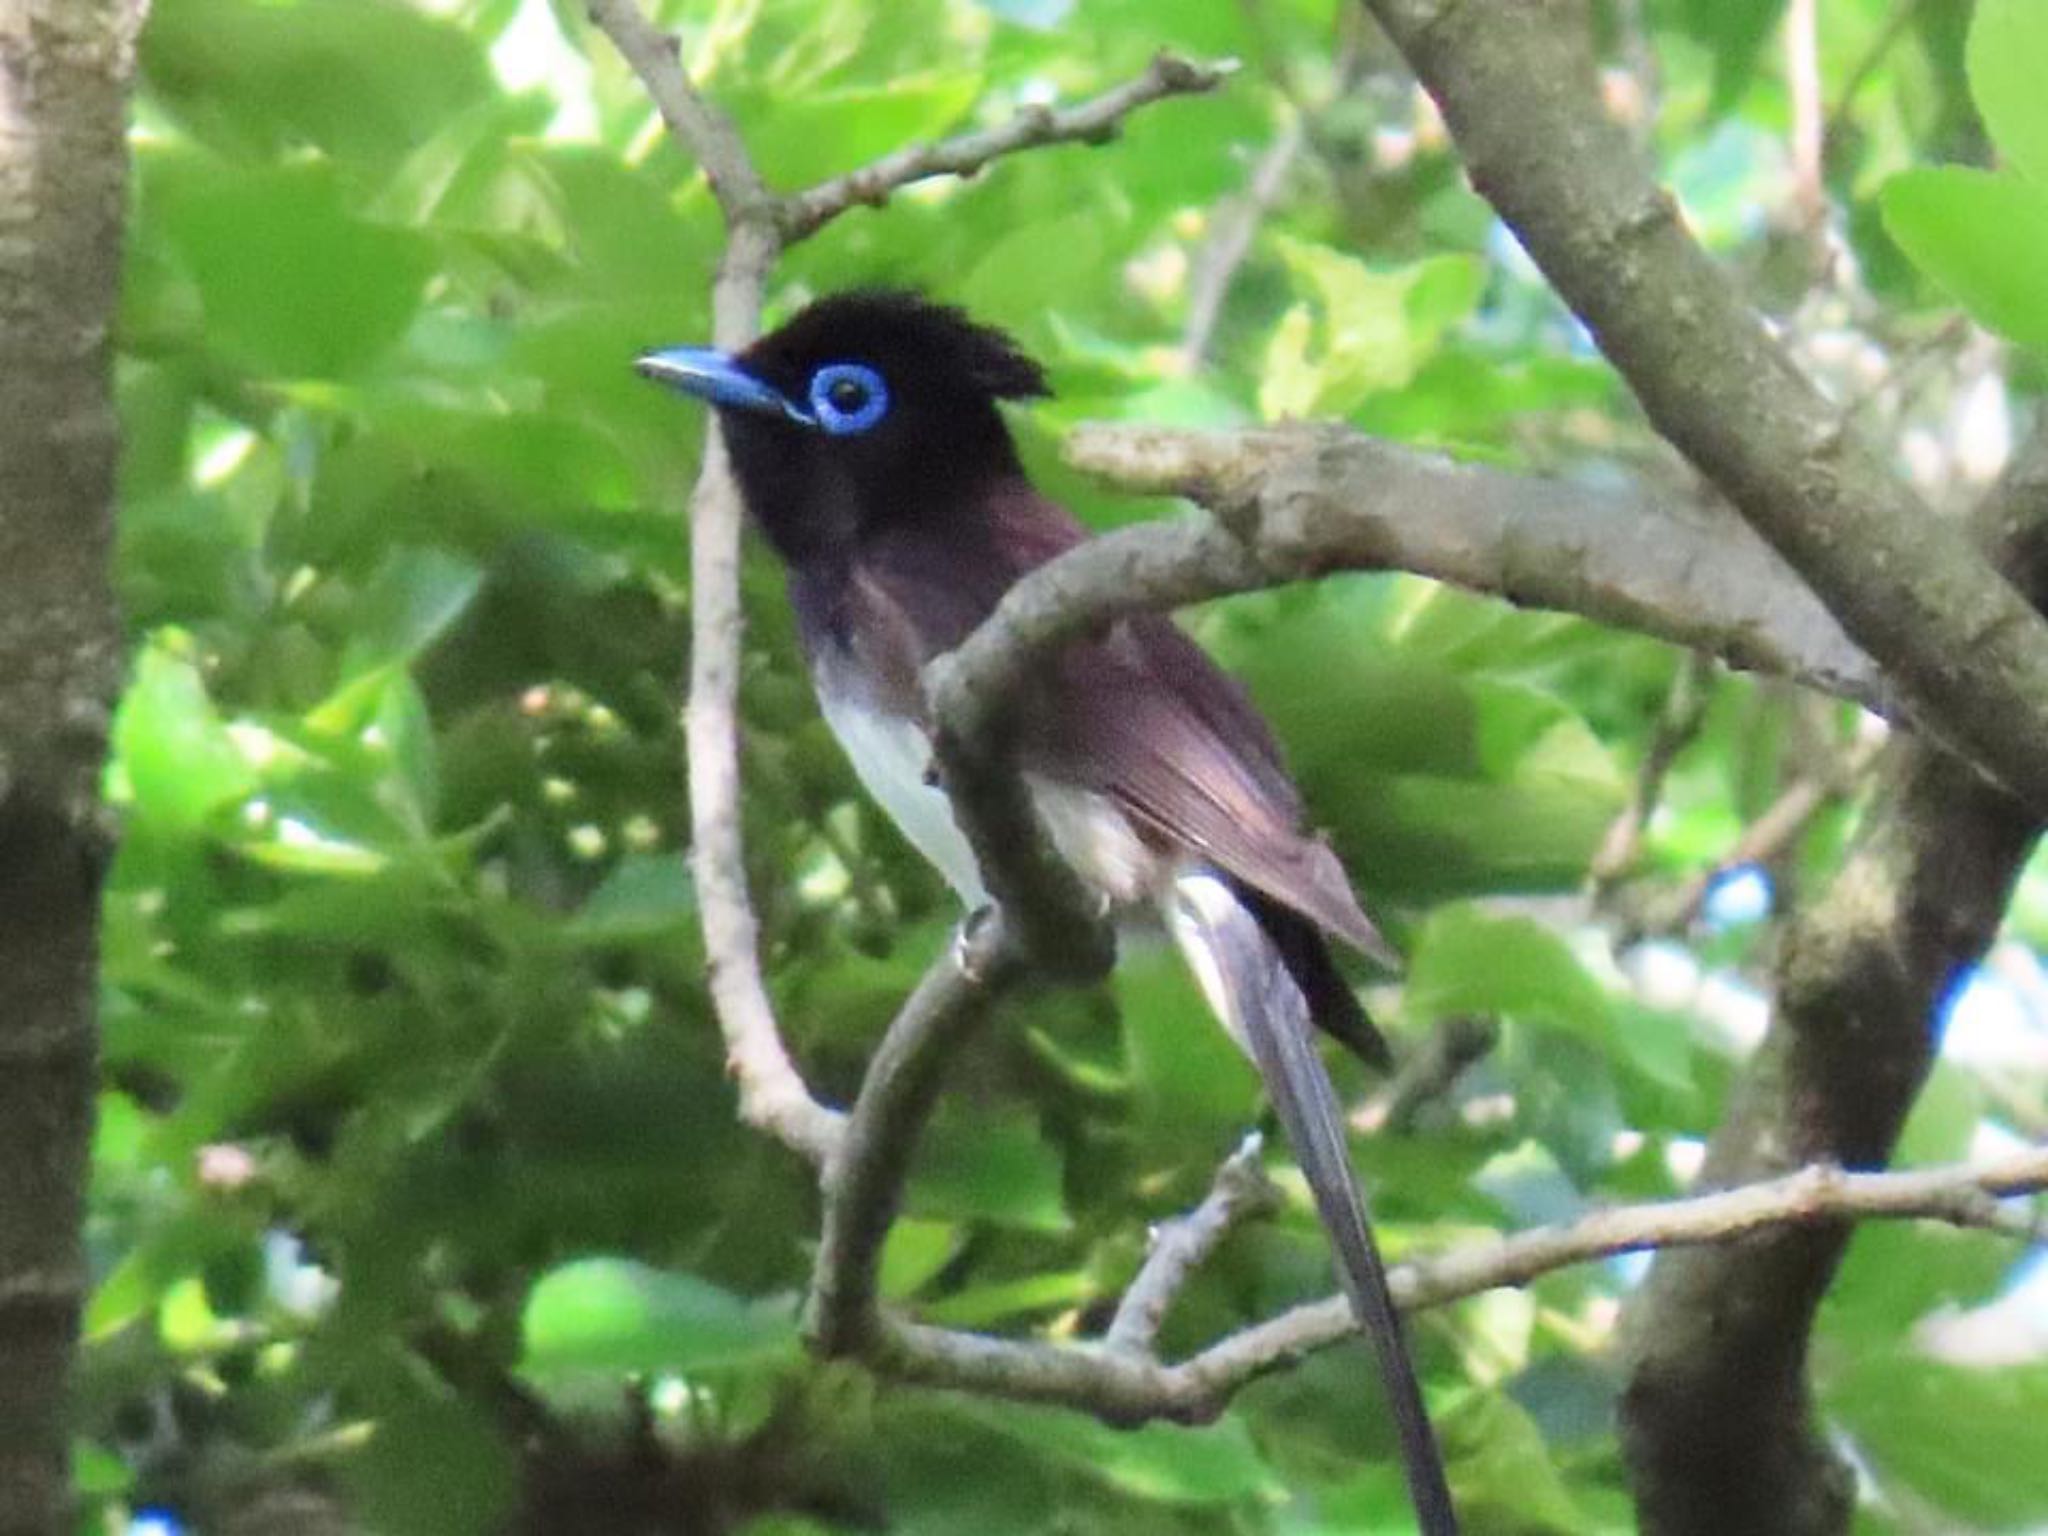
[(1354, 505)]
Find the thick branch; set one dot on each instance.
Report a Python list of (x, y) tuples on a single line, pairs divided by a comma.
[(1718, 1339), (1294, 502), (1516, 84), (1095, 121), (64, 71), (1129, 1387)]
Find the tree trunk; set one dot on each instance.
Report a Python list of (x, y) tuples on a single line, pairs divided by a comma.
[(64, 67), (1717, 1418)]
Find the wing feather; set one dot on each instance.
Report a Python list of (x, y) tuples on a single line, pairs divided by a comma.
[(1140, 715)]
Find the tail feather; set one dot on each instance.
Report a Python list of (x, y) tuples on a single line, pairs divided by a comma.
[(1250, 984), (1306, 953)]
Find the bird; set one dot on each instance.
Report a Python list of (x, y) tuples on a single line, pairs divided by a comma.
[(868, 442)]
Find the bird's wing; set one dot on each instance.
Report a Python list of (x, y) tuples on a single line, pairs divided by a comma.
[(1144, 717), (1140, 715)]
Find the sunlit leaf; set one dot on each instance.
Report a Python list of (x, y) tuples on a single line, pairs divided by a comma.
[(1468, 960), (996, 1167), (2008, 53), (1983, 235), (615, 1315), (173, 749), (1219, 1463)]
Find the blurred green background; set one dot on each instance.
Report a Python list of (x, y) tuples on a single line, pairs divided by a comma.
[(419, 1203)]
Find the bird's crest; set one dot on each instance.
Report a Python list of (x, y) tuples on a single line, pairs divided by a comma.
[(896, 329)]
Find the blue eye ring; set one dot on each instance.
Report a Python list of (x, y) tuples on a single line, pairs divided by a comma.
[(848, 398)]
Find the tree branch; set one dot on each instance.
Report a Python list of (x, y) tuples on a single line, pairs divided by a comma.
[(1234, 228), (1241, 1192), (1774, 830), (864, 1180), (1095, 121), (1678, 722), (1717, 1340), (701, 128), (773, 1094), (1129, 1386), (1300, 501), (1516, 84), (64, 74), (759, 226)]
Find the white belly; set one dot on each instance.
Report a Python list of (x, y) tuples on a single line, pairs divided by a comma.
[(892, 758)]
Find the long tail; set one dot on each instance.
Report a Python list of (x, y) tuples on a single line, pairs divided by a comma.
[(1247, 982)]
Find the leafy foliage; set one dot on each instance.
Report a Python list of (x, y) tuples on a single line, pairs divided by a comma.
[(419, 1188)]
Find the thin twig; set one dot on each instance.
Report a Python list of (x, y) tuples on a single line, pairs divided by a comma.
[(864, 1181), (1235, 226), (1764, 839), (1685, 709), (699, 126), (1802, 81), (1095, 121), (773, 1094), (1127, 1387), (1241, 1192)]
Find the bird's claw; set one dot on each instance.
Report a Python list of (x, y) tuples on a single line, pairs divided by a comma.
[(965, 939)]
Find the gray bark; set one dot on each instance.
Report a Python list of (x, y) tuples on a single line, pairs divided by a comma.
[(1717, 1418), (64, 65)]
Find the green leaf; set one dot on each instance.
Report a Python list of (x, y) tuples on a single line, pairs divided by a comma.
[(1966, 1440), (820, 133), (993, 1167), (410, 604), (1026, 270), (618, 1316), (1377, 328), (1896, 1273), (1418, 837), (1216, 1464), (1735, 31), (1502, 1473), (361, 79), (1468, 960), (171, 746), (291, 283), (1983, 236), (1195, 1087), (2007, 60), (914, 1253), (97, 1472), (649, 896)]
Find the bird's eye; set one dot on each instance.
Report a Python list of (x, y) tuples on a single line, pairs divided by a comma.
[(848, 397)]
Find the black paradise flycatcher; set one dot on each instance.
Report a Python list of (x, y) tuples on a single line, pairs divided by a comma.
[(868, 445)]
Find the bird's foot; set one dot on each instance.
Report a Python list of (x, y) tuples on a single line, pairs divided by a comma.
[(968, 942)]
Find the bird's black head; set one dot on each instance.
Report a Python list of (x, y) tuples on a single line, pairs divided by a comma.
[(868, 407)]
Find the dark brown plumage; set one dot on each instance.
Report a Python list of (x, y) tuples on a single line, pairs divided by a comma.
[(869, 447)]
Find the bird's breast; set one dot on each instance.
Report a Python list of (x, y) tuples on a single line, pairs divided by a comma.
[(891, 755)]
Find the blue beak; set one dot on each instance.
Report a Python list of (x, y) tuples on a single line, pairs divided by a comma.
[(712, 375)]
